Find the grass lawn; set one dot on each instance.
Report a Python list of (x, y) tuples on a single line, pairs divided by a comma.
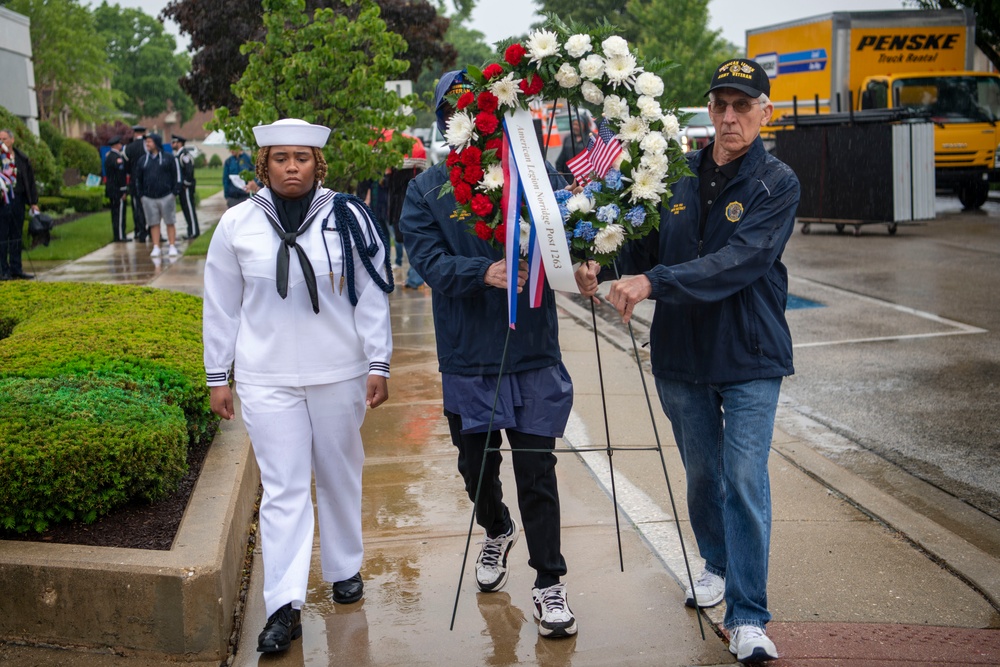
[(208, 180), (199, 247)]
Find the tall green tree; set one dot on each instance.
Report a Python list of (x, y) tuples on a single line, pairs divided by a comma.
[(70, 63), (330, 70), (987, 22), (146, 68), (592, 13)]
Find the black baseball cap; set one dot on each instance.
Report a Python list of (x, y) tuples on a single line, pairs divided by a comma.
[(743, 75)]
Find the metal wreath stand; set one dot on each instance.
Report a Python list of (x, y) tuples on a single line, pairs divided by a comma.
[(608, 448)]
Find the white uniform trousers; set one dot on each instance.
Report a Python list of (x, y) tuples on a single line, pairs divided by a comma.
[(296, 432)]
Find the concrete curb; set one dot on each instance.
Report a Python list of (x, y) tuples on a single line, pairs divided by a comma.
[(177, 604)]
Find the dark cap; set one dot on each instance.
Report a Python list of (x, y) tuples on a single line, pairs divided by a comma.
[(138, 128), (177, 137), (743, 75), (117, 139)]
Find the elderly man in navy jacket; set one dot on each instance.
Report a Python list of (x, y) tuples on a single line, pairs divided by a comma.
[(468, 282), (720, 344)]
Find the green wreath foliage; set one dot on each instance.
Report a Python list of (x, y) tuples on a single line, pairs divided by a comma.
[(103, 389)]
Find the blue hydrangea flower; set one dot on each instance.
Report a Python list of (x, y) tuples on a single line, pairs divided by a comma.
[(608, 214), (569, 239), (562, 195), (584, 230), (564, 212), (592, 187), (636, 216), (613, 180)]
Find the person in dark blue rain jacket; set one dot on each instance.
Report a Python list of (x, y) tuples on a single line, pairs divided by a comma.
[(719, 341), (468, 288)]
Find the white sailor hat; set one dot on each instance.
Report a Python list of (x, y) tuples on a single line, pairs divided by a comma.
[(291, 132)]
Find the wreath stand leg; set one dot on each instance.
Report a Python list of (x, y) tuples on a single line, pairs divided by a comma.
[(663, 463), (479, 485)]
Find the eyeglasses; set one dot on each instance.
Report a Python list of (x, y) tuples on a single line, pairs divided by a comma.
[(741, 105)]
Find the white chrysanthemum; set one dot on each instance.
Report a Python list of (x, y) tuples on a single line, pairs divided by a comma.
[(633, 128), (592, 93), (580, 203), (649, 108), (577, 45), (567, 76), (654, 142), (671, 126), (615, 46), (615, 107), (506, 90), (649, 84), (542, 44), (656, 163), (461, 130), (620, 69), (592, 67), (525, 236), (647, 185), (609, 239), (493, 178)]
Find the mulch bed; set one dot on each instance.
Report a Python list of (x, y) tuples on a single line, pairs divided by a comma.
[(134, 526)]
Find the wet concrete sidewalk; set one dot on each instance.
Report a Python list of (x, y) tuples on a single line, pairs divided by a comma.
[(845, 588)]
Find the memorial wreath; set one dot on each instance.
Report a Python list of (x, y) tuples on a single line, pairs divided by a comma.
[(590, 68)]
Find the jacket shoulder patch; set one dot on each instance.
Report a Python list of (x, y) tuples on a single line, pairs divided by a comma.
[(734, 211)]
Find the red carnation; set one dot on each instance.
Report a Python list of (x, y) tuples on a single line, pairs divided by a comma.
[(532, 87), (471, 156), (481, 205), (514, 54), (500, 233), (465, 100), (455, 176), (463, 193), (492, 70), (473, 174), (453, 159), (487, 101), (486, 123), (483, 230), (494, 144)]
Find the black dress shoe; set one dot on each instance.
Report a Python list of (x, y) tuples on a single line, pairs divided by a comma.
[(21, 275), (349, 590), (283, 626)]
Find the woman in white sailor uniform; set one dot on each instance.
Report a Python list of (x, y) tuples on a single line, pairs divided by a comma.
[(308, 333)]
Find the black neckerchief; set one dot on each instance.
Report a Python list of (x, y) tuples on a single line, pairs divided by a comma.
[(289, 238), (292, 212)]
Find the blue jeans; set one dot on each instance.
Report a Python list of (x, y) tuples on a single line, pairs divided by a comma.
[(723, 432)]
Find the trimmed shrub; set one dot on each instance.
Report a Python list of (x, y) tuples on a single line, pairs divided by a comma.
[(78, 154), (98, 340), (53, 204), (48, 180), (84, 199), (77, 447), (215, 162), (52, 137), (200, 161)]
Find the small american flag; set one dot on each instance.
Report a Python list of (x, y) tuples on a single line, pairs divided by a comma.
[(597, 158)]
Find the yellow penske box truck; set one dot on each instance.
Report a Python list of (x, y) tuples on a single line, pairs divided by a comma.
[(913, 60)]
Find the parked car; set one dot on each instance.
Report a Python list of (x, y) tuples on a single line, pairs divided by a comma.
[(437, 147), (697, 131)]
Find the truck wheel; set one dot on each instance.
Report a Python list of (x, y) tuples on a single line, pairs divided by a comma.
[(973, 194)]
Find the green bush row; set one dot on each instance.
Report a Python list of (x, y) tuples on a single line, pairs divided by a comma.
[(109, 370), (84, 199)]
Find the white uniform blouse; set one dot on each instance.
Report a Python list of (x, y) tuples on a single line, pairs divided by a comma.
[(282, 342)]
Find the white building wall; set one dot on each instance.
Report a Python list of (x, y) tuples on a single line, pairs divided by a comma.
[(17, 94)]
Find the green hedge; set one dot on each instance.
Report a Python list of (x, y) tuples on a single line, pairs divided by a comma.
[(84, 199), (78, 154), (77, 447), (53, 204), (100, 348)]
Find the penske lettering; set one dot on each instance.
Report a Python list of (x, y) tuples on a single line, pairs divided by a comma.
[(914, 42)]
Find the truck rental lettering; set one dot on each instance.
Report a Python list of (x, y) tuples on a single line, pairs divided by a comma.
[(911, 43)]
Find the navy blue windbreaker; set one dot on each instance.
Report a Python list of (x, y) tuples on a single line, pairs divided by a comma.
[(720, 312), (470, 317)]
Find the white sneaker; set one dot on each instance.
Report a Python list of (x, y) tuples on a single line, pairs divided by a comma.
[(491, 566), (749, 643), (555, 619), (710, 588), (172, 251), (156, 251)]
